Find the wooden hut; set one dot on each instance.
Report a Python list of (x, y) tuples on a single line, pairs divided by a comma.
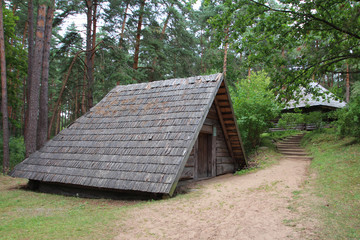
[(309, 103), (145, 138)]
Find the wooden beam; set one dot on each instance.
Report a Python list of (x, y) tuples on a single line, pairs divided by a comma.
[(225, 110), (213, 155), (237, 130), (228, 116), (222, 90), (227, 140), (207, 129), (196, 149), (230, 121), (222, 97), (231, 127)]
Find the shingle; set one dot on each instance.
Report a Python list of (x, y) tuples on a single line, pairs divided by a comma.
[(135, 138)]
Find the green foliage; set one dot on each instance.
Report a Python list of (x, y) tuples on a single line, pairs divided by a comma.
[(291, 120), (292, 40), (17, 150), (254, 107), (337, 166), (16, 67), (315, 118), (348, 123)]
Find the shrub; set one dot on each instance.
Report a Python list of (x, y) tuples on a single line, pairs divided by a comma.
[(17, 151), (348, 123), (254, 107), (291, 120), (315, 118)]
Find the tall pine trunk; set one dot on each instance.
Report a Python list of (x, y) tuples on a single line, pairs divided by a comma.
[(83, 95), (138, 35), (89, 68), (44, 95), (4, 109), (162, 36), (94, 36), (30, 62), (58, 102), (31, 130), (226, 46), (123, 26)]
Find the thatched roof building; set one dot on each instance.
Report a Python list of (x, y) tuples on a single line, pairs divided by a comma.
[(310, 103), (145, 138)]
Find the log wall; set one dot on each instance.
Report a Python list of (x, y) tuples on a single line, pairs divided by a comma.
[(224, 161)]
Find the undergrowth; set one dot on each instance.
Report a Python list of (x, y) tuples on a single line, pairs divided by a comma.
[(17, 151)]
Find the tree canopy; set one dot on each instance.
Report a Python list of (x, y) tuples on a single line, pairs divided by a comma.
[(295, 41)]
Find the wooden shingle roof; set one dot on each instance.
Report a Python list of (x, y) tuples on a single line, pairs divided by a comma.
[(309, 100), (137, 138)]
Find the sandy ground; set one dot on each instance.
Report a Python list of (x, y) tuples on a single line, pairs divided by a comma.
[(252, 206)]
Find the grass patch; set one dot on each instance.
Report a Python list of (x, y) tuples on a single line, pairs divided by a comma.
[(264, 157), (337, 166), (32, 215)]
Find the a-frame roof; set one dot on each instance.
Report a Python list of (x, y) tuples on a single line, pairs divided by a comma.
[(309, 100), (137, 138)]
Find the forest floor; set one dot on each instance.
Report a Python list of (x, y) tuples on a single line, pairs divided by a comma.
[(266, 204)]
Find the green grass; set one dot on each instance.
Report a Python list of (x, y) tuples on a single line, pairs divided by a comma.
[(337, 166), (27, 214), (32, 215)]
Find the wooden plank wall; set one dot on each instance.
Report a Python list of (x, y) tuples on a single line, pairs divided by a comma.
[(224, 161)]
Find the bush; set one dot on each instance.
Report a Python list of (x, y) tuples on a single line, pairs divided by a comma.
[(315, 118), (291, 120), (17, 151), (348, 123), (254, 107)]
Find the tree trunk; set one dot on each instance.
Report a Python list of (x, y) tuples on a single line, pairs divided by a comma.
[(58, 114), (226, 45), (58, 103), (94, 36), (123, 26), (44, 97), (162, 36), (4, 109), (89, 71), (347, 83), (30, 61), (83, 96), (138, 35), (202, 52), (76, 104), (31, 130)]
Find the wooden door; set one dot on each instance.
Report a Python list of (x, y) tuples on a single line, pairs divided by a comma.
[(204, 156)]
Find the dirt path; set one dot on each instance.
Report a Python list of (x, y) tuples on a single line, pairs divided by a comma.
[(253, 206)]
